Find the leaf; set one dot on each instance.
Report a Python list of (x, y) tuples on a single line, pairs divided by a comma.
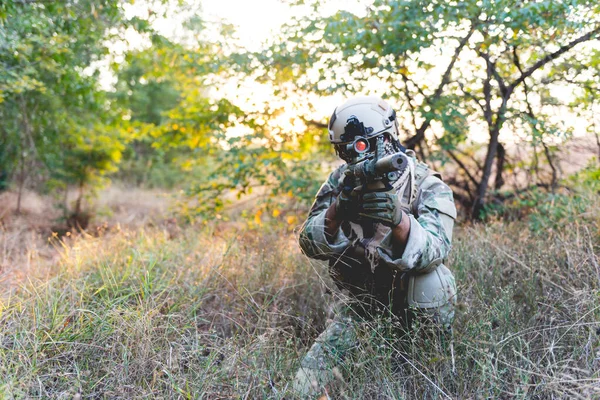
[(257, 217)]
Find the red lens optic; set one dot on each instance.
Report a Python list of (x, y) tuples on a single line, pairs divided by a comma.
[(361, 146)]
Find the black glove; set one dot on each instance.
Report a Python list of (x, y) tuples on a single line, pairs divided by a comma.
[(347, 206), (381, 207)]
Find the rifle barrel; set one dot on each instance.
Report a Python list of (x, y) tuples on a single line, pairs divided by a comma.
[(370, 169)]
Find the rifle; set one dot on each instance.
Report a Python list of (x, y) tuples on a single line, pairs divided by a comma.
[(376, 171)]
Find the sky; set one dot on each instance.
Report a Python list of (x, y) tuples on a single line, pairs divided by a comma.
[(255, 22)]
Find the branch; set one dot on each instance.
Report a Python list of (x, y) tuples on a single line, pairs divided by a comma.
[(446, 76), (533, 120), (462, 166), (462, 185), (471, 96), (406, 79), (554, 55), (494, 72), (585, 85), (470, 157), (409, 101), (420, 134), (487, 93)]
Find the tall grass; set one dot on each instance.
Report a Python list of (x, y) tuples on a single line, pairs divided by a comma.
[(137, 314), (228, 312)]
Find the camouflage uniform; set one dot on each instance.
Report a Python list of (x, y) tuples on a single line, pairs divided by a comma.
[(364, 261)]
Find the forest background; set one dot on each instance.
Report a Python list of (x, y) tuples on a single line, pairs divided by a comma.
[(153, 180)]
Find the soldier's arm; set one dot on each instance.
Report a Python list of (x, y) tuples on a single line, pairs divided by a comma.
[(320, 236), (427, 241), (332, 224), (400, 234)]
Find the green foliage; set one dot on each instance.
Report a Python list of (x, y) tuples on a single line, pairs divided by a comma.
[(448, 67), (551, 211), (60, 126), (452, 68), (163, 94), (588, 178), (279, 172), (56, 123)]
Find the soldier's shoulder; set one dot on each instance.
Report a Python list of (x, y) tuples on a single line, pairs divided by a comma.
[(434, 193), (425, 174), (428, 179), (333, 183)]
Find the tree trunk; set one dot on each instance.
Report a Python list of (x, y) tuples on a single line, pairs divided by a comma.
[(419, 136), (490, 156), (66, 202), (77, 211), (500, 160), (551, 164), (487, 172), (21, 181)]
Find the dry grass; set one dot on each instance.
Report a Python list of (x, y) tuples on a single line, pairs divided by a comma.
[(25, 249), (227, 312), (137, 314)]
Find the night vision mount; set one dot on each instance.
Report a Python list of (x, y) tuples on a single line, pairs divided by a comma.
[(355, 128)]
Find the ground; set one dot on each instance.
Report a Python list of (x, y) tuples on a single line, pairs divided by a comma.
[(145, 307)]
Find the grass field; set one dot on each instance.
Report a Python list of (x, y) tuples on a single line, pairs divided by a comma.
[(226, 311)]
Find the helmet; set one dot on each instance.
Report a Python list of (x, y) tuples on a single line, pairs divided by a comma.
[(355, 126)]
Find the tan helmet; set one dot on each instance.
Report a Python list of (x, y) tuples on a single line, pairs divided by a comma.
[(363, 116)]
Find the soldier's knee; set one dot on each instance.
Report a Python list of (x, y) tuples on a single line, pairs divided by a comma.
[(433, 296)]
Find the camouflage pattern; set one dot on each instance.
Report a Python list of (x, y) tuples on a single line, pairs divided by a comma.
[(430, 236), (317, 367), (364, 261)]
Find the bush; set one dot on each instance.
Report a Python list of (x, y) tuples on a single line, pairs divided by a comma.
[(573, 201)]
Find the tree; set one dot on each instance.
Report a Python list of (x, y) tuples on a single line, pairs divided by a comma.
[(520, 47), (58, 125), (448, 65), (46, 97), (164, 94)]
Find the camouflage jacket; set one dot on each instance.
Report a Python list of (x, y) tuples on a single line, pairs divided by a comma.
[(430, 205)]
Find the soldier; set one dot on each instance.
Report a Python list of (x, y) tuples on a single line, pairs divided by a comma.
[(385, 240)]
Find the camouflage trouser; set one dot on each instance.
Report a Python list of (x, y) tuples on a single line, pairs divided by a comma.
[(318, 367)]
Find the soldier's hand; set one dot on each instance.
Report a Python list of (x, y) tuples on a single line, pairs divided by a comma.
[(383, 207)]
